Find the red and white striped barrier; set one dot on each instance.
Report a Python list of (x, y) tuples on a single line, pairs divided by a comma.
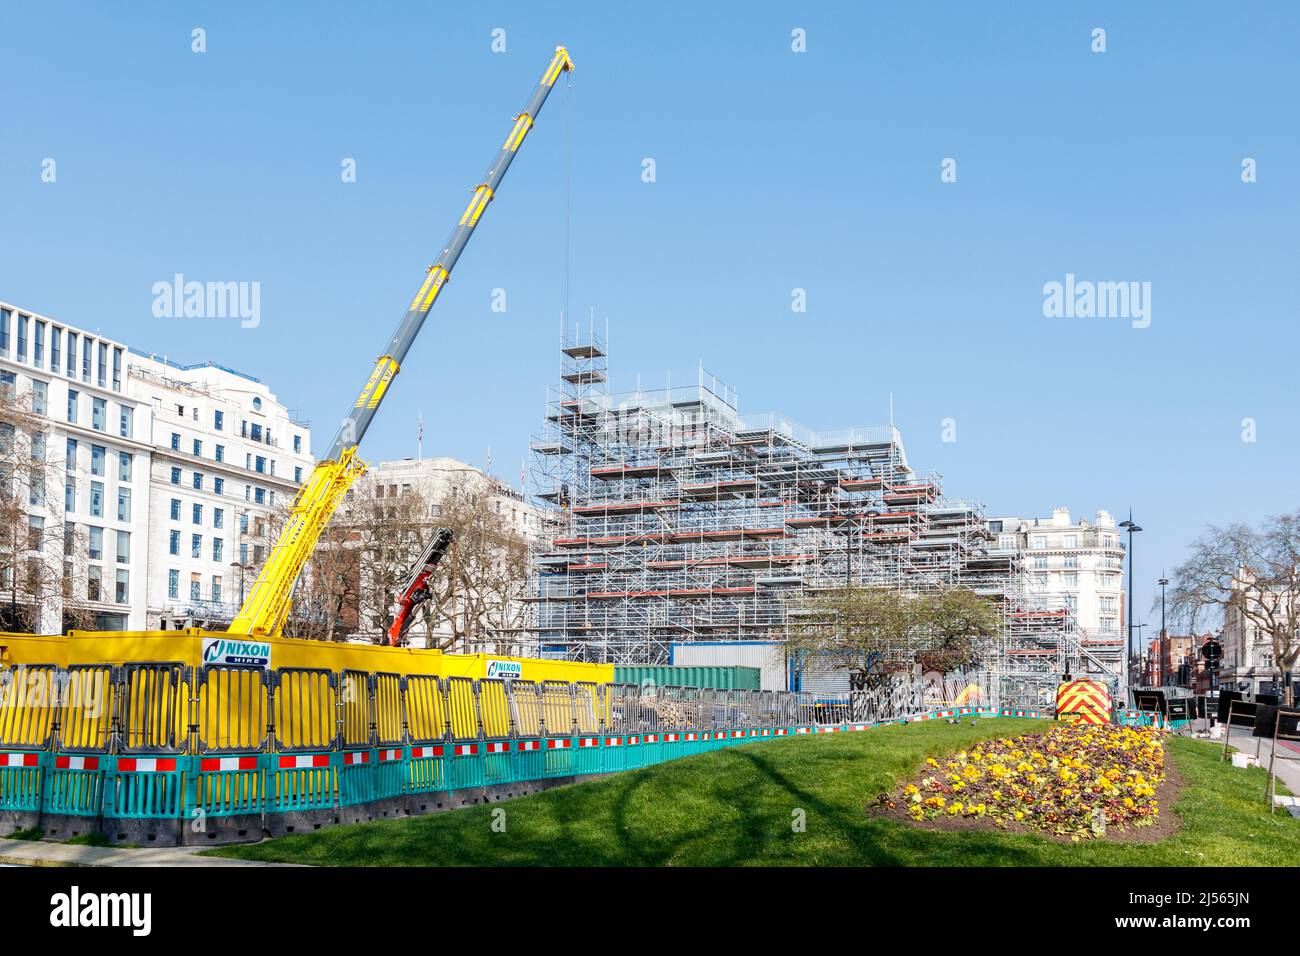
[(558, 743), (354, 757), (303, 761), (20, 760), (146, 764), (220, 764), (498, 747), (613, 741), (420, 753), (393, 753), (81, 763), (466, 750), (589, 742), (525, 745)]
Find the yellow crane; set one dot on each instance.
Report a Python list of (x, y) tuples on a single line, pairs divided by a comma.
[(267, 606)]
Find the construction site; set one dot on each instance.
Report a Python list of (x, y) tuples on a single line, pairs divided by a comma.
[(683, 521)]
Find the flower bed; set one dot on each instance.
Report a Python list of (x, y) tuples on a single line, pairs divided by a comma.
[(1073, 781)]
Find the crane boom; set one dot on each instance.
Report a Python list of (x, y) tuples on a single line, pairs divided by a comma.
[(267, 606)]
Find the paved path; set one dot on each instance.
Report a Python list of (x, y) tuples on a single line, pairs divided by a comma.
[(1287, 765), (38, 853)]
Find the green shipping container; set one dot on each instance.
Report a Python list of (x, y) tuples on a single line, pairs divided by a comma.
[(715, 678)]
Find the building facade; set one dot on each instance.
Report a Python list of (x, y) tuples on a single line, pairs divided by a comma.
[(85, 492), (227, 460), (1076, 565), (1248, 660), (390, 514), (145, 490)]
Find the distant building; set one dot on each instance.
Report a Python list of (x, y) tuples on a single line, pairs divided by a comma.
[(1175, 661), (1248, 662), (1077, 565), (392, 511)]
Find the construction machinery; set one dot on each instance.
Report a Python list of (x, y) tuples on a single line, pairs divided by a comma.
[(416, 590), (267, 607)]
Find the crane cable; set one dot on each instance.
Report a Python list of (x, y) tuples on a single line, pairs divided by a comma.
[(568, 186)]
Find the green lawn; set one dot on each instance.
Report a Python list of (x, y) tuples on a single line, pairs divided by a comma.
[(735, 806)]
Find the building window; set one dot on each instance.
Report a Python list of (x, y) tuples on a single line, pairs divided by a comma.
[(72, 354), (174, 542), (101, 379), (70, 456), (97, 499), (218, 517), (70, 496), (216, 549), (1071, 560), (98, 414), (85, 359), (218, 420), (95, 545), (1070, 579), (219, 485), (97, 460), (124, 547), (117, 369), (40, 397), (38, 345), (194, 586), (259, 495), (297, 475), (196, 545), (259, 465), (176, 509), (220, 453), (297, 447), (123, 595), (198, 514), (94, 583), (124, 423), (1108, 625), (176, 441), (1071, 541), (5, 315), (124, 461), (198, 480), (198, 448), (1040, 541), (176, 476), (216, 588), (22, 338), (1040, 561), (123, 504), (173, 583), (56, 338), (72, 405)]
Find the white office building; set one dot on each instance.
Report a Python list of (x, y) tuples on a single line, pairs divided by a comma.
[(227, 461), (145, 492), (86, 493), (1074, 564)]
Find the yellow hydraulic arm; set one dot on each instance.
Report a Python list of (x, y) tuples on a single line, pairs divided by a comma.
[(267, 606)]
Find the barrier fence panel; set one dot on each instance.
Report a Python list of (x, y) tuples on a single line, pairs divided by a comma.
[(145, 788), (28, 701), (557, 708), (390, 710), (494, 708), (356, 715), (225, 786), (154, 708), (21, 777), (87, 708), (586, 718), (462, 708), (525, 707), (624, 715), (426, 709), (233, 709), (305, 709)]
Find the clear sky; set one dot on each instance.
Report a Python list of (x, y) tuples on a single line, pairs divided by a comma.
[(775, 170)]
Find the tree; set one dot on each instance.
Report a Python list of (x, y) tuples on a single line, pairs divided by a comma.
[(42, 563), (1250, 572), (878, 630)]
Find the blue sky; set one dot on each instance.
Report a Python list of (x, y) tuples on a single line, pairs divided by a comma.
[(775, 170)]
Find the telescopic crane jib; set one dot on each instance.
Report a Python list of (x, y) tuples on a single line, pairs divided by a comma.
[(268, 603)]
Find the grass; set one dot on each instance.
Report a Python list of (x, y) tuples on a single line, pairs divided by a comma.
[(31, 833), (736, 807)]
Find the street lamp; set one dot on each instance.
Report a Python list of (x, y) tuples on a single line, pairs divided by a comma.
[(1163, 636), (1132, 529)]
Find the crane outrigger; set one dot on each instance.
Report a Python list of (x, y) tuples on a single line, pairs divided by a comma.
[(267, 607)]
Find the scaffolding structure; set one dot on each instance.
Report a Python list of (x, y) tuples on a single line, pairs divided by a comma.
[(680, 519)]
